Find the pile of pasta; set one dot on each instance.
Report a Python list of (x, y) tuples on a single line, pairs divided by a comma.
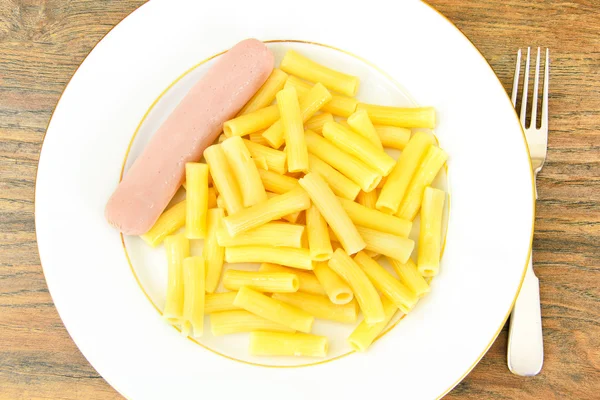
[(305, 188)]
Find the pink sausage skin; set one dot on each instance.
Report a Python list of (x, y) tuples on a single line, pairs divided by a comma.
[(157, 173)]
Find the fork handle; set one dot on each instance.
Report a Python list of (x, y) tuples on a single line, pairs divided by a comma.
[(525, 341)]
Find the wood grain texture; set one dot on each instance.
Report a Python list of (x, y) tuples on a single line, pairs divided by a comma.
[(43, 42)]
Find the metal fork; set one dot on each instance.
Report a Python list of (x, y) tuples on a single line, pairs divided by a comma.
[(525, 341)]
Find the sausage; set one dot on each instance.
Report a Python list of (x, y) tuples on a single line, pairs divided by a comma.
[(158, 172)]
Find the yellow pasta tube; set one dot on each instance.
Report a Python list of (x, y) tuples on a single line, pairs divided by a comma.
[(251, 122), (266, 94), (292, 217), (274, 208), (245, 171), (374, 219), (398, 180), (277, 183), (342, 106), (337, 290), (273, 310), (196, 177), (361, 124), (257, 137), (223, 178), (359, 147), (320, 306), (272, 282), (308, 282), (212, 198), (354, 169), (365, 334), (415, 117), (432, 162), (296, 64), (293, 129), (318, 235), (340, 185), (410, 276), (291, 257), (177, 248), (221, 202), (431, 231), (331, 210), (367, 199), (193, 287), (393, 137), (275, 159), (363, 289), (169, 221), (287, 344), (221, 138), (218, 302), (316, 122), (378, 242), (276, 234), (213, 253), (399, 294), (309, 104), (260, 162), (228, 322)]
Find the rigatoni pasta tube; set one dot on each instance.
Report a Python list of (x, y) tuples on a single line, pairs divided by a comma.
[(228, 322), (342, 106), (431, 164), (305, 68), (393, 137), (399, 294), (390, 245), (320, 306), (217, 302), (194, 289), (213, 253), (266, 94), (354, 169), (331, 210), (398, 180), (196, 177), (293, 129), (275, 159), (367, 199), (363, 289), (272, 282), (260, 162), (223, 178), (337, 290), (410, 276), (258, 138), (212, 197), (276, 234), (292, 217), (361, 124), (277, 183), (251, 122), (319, 243), (416, 117), (287, 344), (169, 221), (274, 208), (245, 171), (308, 282), (359, 147), (340, 185), (316, 122), (365, 334), (291, 257), (431, 232), (178, 249), (273, 310), (375, 219)]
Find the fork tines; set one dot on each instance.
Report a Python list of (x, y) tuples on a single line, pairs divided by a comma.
[(534, 104)]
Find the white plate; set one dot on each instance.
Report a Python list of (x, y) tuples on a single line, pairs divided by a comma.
[(121, 87)]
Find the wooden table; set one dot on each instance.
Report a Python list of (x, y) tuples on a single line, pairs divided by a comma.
[(43, 42)]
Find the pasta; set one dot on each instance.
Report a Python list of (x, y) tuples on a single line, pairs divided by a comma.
[(257, 137), (318, 235), (196, 200), (361, 124), (410, 276), (331, 210), (212, 252), (251, 122), (273, 310), (272, 282), (354, 169), (320, 307), (337, 290), (399, 294), (375, 219), (398, 180), (393, 137), (389, 245), (193, 287), (363, 289), (308, 282), (228, 322), (342, 106), (416, 117), (276, 234), (365, 334), (291, 120), (291, 257), (245, 171), (292, 217), (178, 249), (316, 122), (169, 222), (275, 160), (260, 162), (223, 178), (211, 198), (218, 302), (431, 231), (266, 94), (296, 64), (270, 210), (277, 183), (340, 185), (367, 199), (287, 344)]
